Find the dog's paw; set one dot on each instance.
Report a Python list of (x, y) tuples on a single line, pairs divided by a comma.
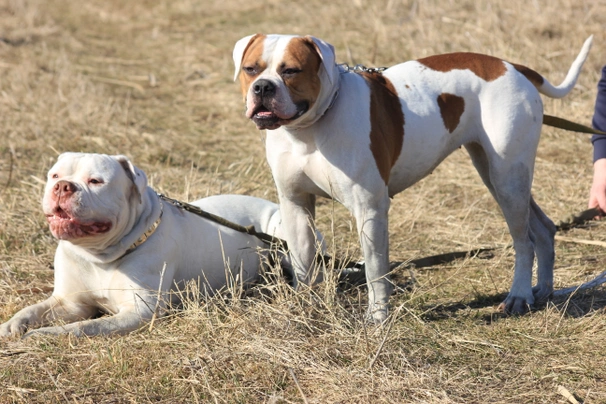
[(377, 313), (516, 305), (542, 292), (12, 328)]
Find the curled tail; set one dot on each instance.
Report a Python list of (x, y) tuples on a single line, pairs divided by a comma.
[(567, 85)]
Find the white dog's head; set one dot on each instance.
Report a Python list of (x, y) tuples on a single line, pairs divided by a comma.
[(285, 79), (88, 196)]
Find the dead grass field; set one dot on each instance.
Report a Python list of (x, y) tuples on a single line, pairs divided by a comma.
[(153, 80)]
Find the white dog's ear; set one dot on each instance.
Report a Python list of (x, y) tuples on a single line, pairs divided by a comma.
[(240, 50), (327, 54), (136, 175), (65, 154)]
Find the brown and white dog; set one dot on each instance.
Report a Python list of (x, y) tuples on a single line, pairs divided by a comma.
[(361, 138)]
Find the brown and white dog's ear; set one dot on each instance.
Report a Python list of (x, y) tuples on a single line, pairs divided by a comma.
[(136, 175), (240, 50), (327, 54)]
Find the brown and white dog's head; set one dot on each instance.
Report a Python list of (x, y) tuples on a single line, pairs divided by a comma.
[(89, 196), (286, 80)]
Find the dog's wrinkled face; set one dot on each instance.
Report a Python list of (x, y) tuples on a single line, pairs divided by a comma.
[(87, 194), (279, 77)]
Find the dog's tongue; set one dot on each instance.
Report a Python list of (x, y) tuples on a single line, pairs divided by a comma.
[(264, 114)]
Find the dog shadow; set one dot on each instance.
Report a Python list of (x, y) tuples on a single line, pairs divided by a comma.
[(575, 305)]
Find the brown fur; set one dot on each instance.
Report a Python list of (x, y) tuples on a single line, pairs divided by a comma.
[(252, 57), (534, 77), (486, 67), (451, 108), (301, 53), (387, 123)]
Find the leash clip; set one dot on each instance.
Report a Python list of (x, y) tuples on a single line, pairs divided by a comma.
[(359, 68)]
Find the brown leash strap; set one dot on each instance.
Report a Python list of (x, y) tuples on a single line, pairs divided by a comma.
[(567, 223), (565, 124), (226, 223)]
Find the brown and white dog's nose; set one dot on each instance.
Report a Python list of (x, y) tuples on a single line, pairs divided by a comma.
[(64, 188), (264, 88)]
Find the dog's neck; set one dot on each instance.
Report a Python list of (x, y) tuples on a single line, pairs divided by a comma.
[(328, 95)]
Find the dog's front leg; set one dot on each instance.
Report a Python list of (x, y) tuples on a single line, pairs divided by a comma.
[(52, 309), (299, 231), (372, 224), (137, 309), (120, 323)]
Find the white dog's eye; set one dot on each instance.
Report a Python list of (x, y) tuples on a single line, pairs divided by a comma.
[(55, 176), (95, 181)]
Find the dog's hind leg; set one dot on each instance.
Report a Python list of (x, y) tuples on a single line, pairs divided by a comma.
[(509, 183), (542, 232)]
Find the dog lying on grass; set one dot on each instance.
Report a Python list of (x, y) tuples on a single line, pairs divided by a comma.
[(122, 249)]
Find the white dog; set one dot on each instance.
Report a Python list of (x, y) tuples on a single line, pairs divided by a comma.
[(362, 137), (116, 236)]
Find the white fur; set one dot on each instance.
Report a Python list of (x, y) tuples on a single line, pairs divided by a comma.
[(92, 273)]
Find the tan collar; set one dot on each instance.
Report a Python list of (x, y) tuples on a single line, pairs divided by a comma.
[(147, 233)]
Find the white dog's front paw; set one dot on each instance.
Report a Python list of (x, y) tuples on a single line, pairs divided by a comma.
[(13, 327)]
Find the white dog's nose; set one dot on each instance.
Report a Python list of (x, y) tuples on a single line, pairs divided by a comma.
[(64, 188)]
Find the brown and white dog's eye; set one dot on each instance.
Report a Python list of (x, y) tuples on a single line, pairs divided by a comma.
[(250, 70), (290, 71)]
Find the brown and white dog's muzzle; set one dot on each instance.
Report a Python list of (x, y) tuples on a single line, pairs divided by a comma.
[(269, 107)]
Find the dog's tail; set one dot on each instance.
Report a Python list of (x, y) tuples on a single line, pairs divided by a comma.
[(567, 85)]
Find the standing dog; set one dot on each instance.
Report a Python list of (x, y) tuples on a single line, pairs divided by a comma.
[(361, 138), (122, 249)]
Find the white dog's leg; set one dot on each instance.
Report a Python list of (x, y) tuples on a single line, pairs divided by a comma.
[(372, 227), (121, 323), (49, 310)]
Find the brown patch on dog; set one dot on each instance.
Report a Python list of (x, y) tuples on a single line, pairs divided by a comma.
[(386, 123), (451, 108), (486, 67), (535, 78), (302, 55), (252, 57)]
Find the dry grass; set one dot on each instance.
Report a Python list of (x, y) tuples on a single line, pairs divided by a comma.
[(152, 80)]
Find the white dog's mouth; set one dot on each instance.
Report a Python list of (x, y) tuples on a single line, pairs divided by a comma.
[(65, 227), (266, 119)]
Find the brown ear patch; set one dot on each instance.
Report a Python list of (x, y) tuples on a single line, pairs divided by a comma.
[(386, 123), (252, 57), (451, 108), (532, 76), (486, 67)]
